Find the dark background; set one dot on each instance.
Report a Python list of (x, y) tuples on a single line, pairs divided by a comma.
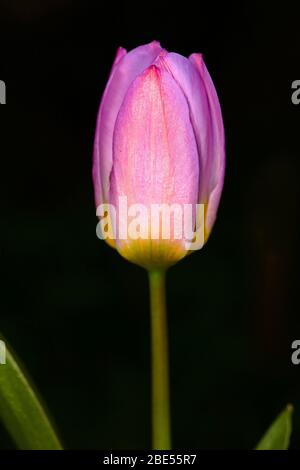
[(73, 309)]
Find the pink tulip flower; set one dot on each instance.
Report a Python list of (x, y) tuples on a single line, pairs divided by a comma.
[(159, 140)]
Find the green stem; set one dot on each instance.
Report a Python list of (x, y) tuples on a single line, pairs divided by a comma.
[(161, 432)]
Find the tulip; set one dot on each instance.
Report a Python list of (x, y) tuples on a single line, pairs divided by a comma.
[(159, 140)]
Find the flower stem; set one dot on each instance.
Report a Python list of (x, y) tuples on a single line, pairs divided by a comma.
[(161, 432)]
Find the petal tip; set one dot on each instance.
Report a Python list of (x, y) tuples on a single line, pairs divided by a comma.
[(119, 54), (197, 58), (155, 43)]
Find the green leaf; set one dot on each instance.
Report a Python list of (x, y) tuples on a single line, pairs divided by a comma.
[(21, 410), (278, 435)]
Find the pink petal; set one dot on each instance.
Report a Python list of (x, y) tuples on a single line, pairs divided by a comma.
[(155, 151), (191, 84), (125, 69), (205, 113), (216, 164)]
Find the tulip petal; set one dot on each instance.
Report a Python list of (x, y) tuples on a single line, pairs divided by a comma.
[(216, 164), (121, 52), (190, 82), (155, 156), (153, 132), (125, 69), (196, 84)]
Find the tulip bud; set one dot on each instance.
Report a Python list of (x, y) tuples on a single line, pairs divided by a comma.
[(159, 143)]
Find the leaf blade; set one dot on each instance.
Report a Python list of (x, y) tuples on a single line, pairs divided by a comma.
[(277, 437), (21, 410)]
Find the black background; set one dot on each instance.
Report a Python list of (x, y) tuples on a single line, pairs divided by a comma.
[(73, 309)]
